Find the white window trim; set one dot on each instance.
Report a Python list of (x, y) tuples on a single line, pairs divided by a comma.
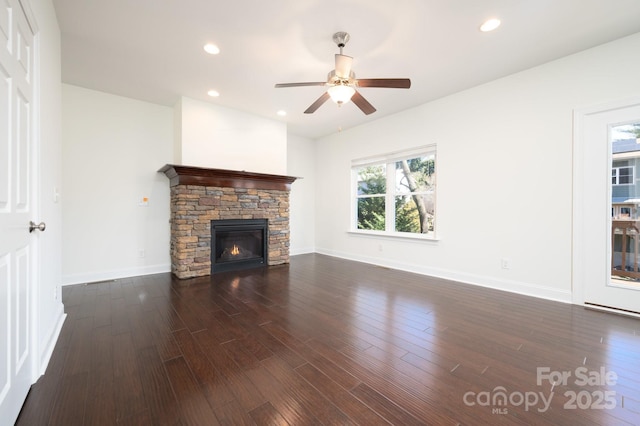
[(617, 175), (395, 235), (391, 193)]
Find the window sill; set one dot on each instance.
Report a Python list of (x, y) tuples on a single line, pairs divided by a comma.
[(397, 235)]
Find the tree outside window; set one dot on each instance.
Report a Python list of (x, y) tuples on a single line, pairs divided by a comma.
[(372, 187)]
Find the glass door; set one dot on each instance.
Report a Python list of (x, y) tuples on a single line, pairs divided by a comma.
[(625, 204), (607, 208)]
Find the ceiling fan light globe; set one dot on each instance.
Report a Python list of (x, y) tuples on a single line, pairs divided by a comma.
[(341, 94)]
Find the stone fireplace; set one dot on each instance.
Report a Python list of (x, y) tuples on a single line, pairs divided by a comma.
[(202, 196)]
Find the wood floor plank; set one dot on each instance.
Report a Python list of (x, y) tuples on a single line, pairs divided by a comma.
[(365, 370), (119, 319), (217, 331), (232, 413), (215, 386), (323, 340), (385, 408), (194, 406), (168, 314), (163, 407), (138, 419), (240, 354), (126, 375), (100, 406), (306, 395), (340, 376), (266, 414), (79, 354), (345, 401), (161, 336), (188, 314), (102, 310), (244, 391), (229, 324), (278, 348), (283, 400), (87, 303), (70, 401)]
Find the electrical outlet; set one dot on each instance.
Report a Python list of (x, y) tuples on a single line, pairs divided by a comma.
[(505, 263), (141, 253)]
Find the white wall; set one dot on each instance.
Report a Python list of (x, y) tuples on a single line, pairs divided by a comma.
[(49, 311), (112, 149), (301, 163), (222, 138), (504, 166)]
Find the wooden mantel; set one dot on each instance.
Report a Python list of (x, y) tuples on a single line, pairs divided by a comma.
[(189, 175)]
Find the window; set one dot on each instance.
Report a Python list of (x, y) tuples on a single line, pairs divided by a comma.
[(622, 175), (395, 193)]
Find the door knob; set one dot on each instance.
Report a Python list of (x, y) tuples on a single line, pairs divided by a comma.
[(41, 227)]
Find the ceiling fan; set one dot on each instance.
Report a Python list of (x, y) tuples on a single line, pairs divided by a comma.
[(342, 82)]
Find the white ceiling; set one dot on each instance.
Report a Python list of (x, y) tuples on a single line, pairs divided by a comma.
[(152, 50)]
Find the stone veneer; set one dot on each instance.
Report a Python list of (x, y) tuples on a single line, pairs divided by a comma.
[(200, 195)]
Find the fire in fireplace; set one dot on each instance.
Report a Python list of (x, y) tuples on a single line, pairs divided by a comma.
[(238, 244)]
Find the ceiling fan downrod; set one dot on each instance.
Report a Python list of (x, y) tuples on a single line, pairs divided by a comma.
[(341, 38)]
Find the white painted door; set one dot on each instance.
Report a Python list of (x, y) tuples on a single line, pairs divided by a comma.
[(593, 193), (17, 197)]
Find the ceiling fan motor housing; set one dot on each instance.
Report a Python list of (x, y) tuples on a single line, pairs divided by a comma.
[(332, 78)]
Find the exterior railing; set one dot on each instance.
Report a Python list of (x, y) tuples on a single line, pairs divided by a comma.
[(625, 246)]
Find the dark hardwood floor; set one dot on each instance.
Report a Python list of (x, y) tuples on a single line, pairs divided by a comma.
[(329, 341)]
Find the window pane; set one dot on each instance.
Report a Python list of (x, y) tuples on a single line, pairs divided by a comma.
[(372, 180), (415, 213), (626, 175), (371, 213), (415, 174), (397, 195)]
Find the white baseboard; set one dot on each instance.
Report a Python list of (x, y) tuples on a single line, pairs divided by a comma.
[(517, 287), (47, 350), (304, 250), (91, 277)]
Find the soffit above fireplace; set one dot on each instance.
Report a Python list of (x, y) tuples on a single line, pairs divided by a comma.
[(189, 175)]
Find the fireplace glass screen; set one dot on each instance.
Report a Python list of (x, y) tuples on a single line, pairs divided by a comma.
[(238, 244)]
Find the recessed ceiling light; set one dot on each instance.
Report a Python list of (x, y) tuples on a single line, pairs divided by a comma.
[(281, 113), (213, 93), (490, 25), (211, 48)]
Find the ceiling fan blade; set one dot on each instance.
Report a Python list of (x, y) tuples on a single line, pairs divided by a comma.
[(393, 83), (314, 83), (343, 65), (314, 106), (362, 103)]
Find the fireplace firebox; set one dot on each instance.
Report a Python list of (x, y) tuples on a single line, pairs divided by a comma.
[(238, 244)]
